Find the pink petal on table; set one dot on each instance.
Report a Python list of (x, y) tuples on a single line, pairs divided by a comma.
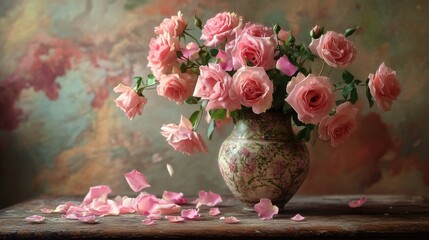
[(71, 216), (146, 204), (230, 220), (170, 169), (62, 208), (207, 198), (214, 211), (170, 208), (298, 218), (175, 219), (125, 204), (357, 203), (47, 210), (149, 221), (88, 219), (190, 214), (96, 192), (155, 216), (100, 207), (35, 219), (174, 197), (265, 209), (136, 180)]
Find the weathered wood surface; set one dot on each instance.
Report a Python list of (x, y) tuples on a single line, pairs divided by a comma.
[(381, 217)]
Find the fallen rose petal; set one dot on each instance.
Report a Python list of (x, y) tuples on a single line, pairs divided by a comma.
[(136, 180), (96, 192), (71, 216), (265, 209), (298, 218), (357, 203), (175, 219), (149, 221), (155, 216), (47, 210), (88, 219), (35, 219), (62, 208), (170, 169), (174, 197), (230, 220), (170, 208), (214, 211), (125, 204), (146, 204), (190, 214), (207, 198)]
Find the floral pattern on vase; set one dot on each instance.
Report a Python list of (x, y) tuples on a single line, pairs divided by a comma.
[(261, 159)]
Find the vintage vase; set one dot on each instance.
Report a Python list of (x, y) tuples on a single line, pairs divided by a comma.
[(262, 159)]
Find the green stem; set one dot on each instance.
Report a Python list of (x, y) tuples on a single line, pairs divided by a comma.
[(194, 39), (330, 70), (321, 70)]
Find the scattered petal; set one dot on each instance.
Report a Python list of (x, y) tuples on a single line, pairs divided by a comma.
[(62, 208), (146, 204), (174, 197), (230, 220), (47, 210), (170, 208), (214, 211), (136, 180), (265, 209), (207, 198), (125, 204), (175, 219), (190, 214), (170, 169), (149, 221), (88, 219), (97, 192), (298, 218), (357, 203), (155, 216), (157, 157), (35, 219)]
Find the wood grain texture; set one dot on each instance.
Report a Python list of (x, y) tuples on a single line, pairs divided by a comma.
[(381, 217)]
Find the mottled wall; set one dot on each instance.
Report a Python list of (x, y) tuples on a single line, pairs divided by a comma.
[(60, 132)]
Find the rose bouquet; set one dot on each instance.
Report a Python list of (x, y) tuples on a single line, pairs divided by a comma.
[(246, 68)]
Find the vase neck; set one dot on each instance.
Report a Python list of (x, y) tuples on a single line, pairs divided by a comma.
[(265, 126)]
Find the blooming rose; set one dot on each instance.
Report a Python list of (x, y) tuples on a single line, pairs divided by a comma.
[(257, 50), (176, 87), (286, 67), (338, 127), (162, 54), (258, 30), (311, 97), (220, 28), (214, 84), (225, 60), (182, 138), (129, 101), (173, 26), (334, 48), (283, 35), (384, 87), (253, 88), (191, 51)]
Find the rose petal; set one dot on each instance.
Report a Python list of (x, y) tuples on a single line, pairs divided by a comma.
[(149, 221), (190, 214), (298, 218), (170, 208), (136, 180), (207, 198), (88, 219), (175, 219), (146, 204), (47, 210), (230, 220), (357, 203), (170, 169), (265, 209), (62, 208), (35, 219), (174, 197), (96, 192), (214, 211), (155, 216)]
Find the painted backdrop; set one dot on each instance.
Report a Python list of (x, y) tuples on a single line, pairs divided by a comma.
[(61, 133)]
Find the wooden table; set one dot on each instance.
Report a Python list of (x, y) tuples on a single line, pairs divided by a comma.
[(381, 217)]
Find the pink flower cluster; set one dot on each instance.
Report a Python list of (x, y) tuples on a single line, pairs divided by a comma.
[(241, 66)]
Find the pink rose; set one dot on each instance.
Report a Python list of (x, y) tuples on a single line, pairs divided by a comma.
[(253, 88), (220, 28), (162, 54), (258, 30), (173, 26), (311, 97), (176, 87), (384, 87), (225, 60), (191, 51), (129, 101), (337, 128), (182, 138), (285, 66), (283, 35), (334, 48), (257, 50), (214, 84)]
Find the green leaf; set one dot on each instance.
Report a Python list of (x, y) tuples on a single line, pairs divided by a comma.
[(198, 23), (218, 114), (369, 96), (305, 133), (151, 80), (346, 91), (276, 28), (211, 129), (340, 102), (296, 120), (350, 31), (214, 60), (192, 100), (356, 82), (194, 118), (204, 103), (347, 77), (214, 52), (138, 81), (353, 96), (183, 67)]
